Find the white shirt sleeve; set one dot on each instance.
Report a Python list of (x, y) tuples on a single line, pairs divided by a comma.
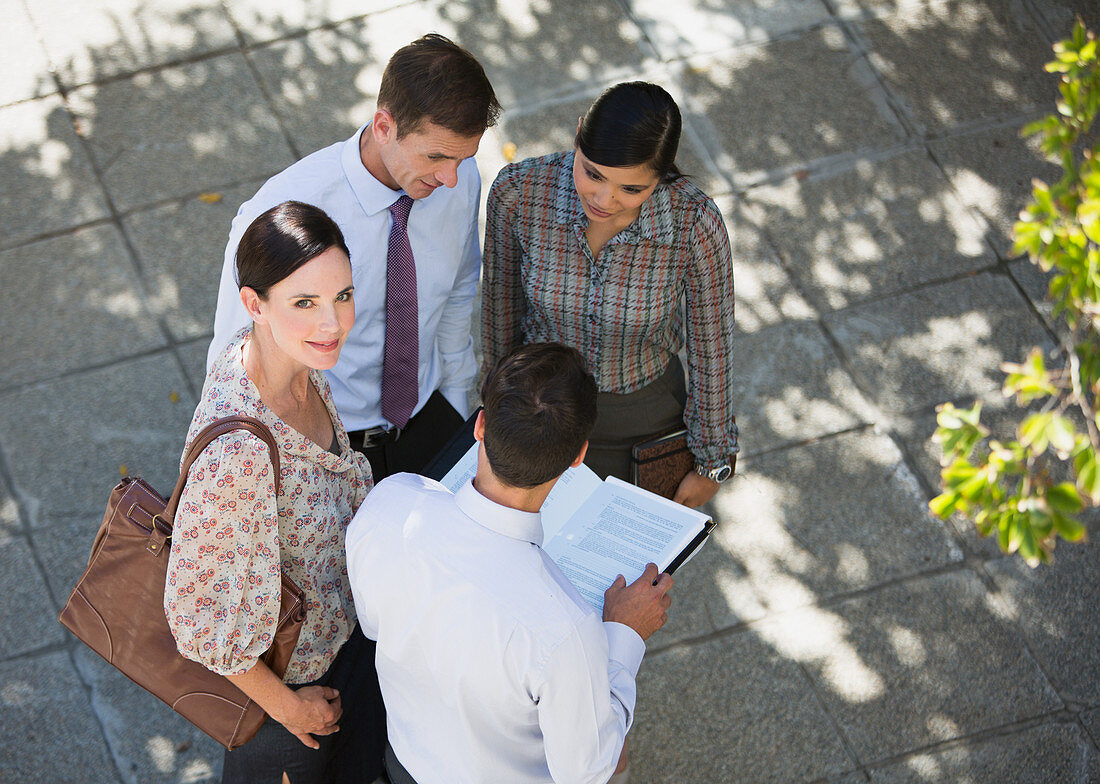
[(586, 701), (456, 347)]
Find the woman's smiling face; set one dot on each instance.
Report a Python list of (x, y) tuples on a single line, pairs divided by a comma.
[(612, 193), (310, 311)]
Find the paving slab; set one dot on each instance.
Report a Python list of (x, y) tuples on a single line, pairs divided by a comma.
[(181, 246), (533, 50), (54, 736), (324, 85), (102, 424), (22, 58), (791, 387), (193, 357), (262, 20), (804, 524), (943, 342), (1036, 287), (1048, 754), (763, 291), (1091, 721), (96, 39), (9, 513), (730, 710), (163, 748), (79, 305), (25, 610), (765, 109), (916, 663), (180, 131), (950, 62), (49, 183), (875, 228), (1060, 14), (992, 170), (688, 28), (1050, 603), (63, 548)]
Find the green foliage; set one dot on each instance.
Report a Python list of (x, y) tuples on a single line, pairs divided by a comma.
[(1018, 490)]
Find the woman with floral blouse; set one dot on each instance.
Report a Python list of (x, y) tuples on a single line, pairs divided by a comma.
[(609, 249), (234, 535)]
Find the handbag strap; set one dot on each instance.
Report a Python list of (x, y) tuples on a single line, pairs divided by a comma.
[(217, 429)]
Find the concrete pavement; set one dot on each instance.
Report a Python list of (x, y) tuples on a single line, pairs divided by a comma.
[(866, 157)]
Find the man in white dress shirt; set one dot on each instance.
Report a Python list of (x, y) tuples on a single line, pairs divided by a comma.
[(434, 104), (492, 666)]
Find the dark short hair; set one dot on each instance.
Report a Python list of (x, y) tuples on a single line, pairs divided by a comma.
[(281, 240), (633, 124), (435, 79), (540, 406)]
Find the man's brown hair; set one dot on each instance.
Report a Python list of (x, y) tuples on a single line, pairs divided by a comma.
[(435, 79), (540, 407)]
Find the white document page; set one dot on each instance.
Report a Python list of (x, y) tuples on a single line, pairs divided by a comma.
[(618, 530), (575, 485), (462, 471)]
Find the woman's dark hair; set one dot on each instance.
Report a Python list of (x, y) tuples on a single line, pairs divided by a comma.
[(281, 240), (633, 124), (540, 406)]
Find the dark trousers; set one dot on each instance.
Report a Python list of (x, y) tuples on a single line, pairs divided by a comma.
[(351, 756), (624, 420), (423, 436)]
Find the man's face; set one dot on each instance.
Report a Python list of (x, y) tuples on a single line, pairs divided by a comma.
[(423, 160)]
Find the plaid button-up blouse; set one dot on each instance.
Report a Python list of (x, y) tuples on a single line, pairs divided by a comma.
[(666, 278)]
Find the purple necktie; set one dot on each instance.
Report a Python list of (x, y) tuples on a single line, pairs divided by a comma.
[(401, 359)]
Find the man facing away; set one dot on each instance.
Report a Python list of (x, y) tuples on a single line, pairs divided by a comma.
[(492, 666), (434, 104)]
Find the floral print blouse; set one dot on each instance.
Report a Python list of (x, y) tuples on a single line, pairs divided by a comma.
[(232, 536)]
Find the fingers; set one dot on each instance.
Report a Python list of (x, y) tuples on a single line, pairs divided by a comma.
[(649, 574), (664, 583), (307, 739), (330, 693)]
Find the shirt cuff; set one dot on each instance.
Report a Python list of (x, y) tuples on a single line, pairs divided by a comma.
[(624, 645), (459, 398)]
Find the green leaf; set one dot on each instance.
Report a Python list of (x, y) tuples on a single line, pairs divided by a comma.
[(1068, 528), (1063, 497), (1028, 544), (1033, 432), (1062, 435), (1088, 474), (943, 505)]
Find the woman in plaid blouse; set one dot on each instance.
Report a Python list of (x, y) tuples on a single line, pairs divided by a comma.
[(610, 249)]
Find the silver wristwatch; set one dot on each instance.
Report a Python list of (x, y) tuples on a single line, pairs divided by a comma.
[(719, 474)]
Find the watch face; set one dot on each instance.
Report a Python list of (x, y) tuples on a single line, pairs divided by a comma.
[(721, 474)]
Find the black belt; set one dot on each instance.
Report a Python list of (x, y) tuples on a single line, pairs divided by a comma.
[(374, 436)]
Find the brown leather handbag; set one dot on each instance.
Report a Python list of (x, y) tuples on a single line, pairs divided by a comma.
[(117, 606)]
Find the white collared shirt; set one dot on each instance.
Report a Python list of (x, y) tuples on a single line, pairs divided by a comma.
[(443, 233), (492, 666)]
